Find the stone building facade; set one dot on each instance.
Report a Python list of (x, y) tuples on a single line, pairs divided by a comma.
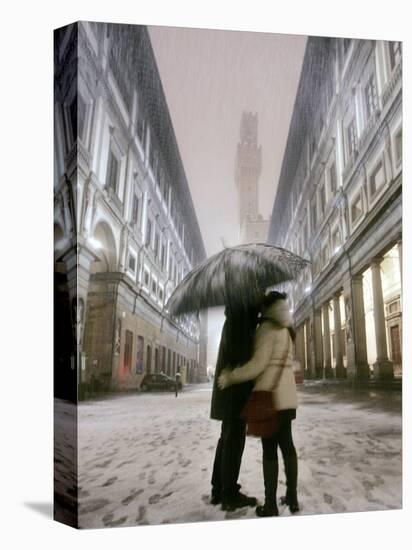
[(126, 232), (248, 167), (339, 204)]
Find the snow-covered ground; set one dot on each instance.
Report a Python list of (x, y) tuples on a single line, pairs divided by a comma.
[(147, 459)]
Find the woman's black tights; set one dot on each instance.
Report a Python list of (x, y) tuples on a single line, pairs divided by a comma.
[(284, 439)]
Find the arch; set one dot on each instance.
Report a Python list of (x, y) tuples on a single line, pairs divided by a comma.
[(104, 245)]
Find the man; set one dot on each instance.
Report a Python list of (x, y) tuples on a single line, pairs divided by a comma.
[(236, 346), (177, 383)]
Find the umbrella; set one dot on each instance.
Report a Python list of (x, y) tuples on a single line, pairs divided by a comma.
[(235, 276)]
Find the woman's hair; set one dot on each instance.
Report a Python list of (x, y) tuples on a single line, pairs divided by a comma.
[(272, 297), (275, 296)]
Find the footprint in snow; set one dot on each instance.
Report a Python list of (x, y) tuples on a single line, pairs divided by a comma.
[(154, 499), (132, 496), (110, 481), (327, 498)]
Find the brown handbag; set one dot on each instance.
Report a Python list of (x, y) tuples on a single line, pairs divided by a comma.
[(261, 417)]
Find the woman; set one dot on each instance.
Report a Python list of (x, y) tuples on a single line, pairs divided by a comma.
[(271, 366), (236, 347)]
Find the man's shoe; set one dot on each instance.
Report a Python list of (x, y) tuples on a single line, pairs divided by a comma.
[(215, 499), (267, 511), (239, 500)]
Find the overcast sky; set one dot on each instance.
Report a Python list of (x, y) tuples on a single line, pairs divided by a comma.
[(209, 78)]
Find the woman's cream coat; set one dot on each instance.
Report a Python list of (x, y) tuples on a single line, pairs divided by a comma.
[(272, 360)]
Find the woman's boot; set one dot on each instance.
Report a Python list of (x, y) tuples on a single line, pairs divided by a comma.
[(291, 472), (270, 479)]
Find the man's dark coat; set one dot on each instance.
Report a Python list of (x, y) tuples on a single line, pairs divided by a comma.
[(236, 345)]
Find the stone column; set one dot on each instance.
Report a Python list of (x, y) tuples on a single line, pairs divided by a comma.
[(326, 342), (300, 348), (308, 353), (357, 366), (340, 369), (400, 258), (383, 368), (318, 348)]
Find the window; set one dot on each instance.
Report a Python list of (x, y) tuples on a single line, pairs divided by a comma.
[(142, 130), (330, 82), (128, 350), (141, 123), (135, 209), (377, 178), (325, 255), (73, 118), (77, 115), (160, 293), (322, 198), (164, 187), (146, 278), (180, 229), (149, 359), (371, 97), (156, 369), (152, 158), (112, 173), (163, 256), (312, 147), (156, 244), (351, 138), (393, 307), (318, 264), (336, 241), (305, 233), (163, 360), (313, 214), (117, 63), (166, 191), (149, 232), (132, 263), (332, 179), (81, 116), (395, 53), (398, 147), (154, 286), (139, 354), (356, 208)]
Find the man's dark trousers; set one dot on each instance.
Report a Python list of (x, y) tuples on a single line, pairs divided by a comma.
[(228, 457)]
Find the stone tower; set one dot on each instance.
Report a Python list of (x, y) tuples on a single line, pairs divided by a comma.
[(248, 166)]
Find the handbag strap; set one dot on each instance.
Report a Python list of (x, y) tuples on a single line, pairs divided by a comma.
[(285, 356)]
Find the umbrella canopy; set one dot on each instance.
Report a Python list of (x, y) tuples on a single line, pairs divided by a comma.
[(235, 276)]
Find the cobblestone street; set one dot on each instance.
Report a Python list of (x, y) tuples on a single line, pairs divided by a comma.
[(147, 458)]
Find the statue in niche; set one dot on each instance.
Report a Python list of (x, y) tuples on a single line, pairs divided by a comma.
[(86, 202), (117, 337), (77, 319), (348, 319)]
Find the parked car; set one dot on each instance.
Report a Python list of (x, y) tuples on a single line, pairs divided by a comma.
[(159, 382)]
